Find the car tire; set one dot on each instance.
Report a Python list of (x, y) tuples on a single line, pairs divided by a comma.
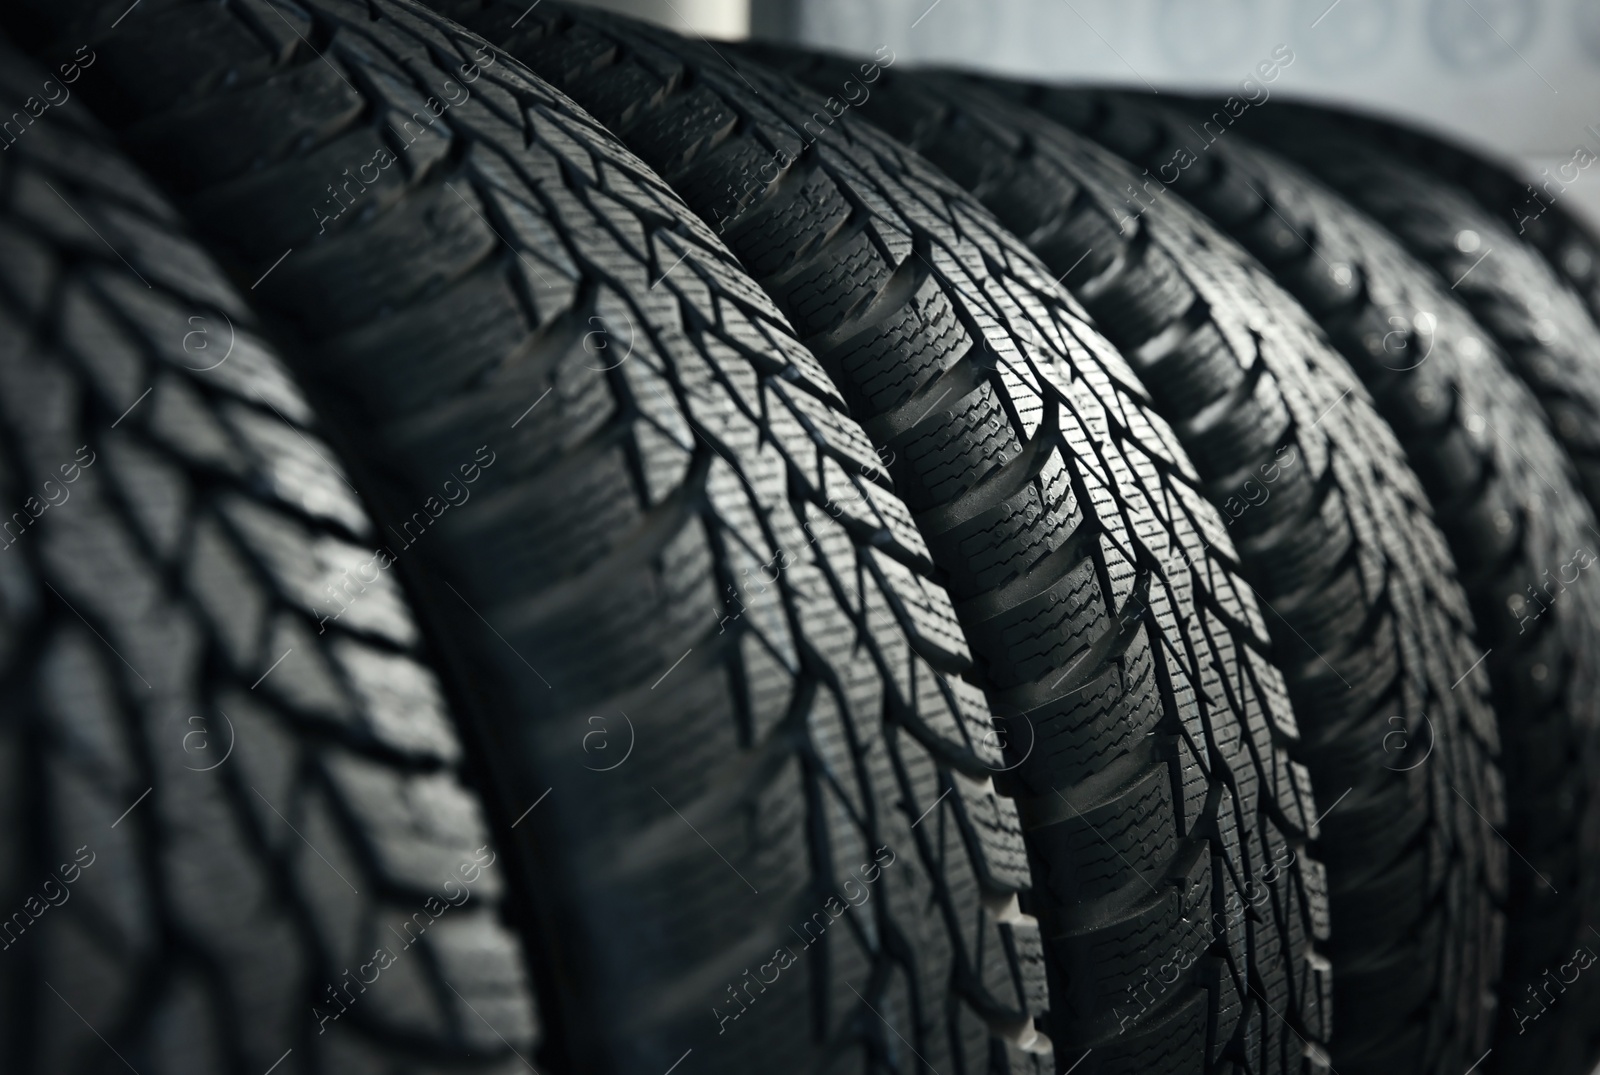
[(1065, 521), (215, 818), (719, 699), (1244, 376), (1550, 341)]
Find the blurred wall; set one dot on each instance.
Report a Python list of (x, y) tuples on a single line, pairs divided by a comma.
[(1516, 77), (726, 19)]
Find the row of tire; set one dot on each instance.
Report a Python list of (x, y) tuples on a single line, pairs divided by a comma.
[(535, 541)]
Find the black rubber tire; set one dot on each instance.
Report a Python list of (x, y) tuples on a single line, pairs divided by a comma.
[(1544, 327), (1532, 206), (212, 814), (1341, 549), (1504, 490), (690, 540), (1550, 341), (1068, 526)]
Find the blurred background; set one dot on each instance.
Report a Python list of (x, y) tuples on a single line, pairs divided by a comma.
[(1519, 78)]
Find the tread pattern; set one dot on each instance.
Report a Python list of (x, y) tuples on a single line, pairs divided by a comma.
[(1516, 514), (213, 813), (1529, 206), (1146, 730), (1504, 490), (682, 535), (1548, 333), (1367, 617), (1548, 339)]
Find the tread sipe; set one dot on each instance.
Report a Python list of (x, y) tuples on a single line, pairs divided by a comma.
[(229, 840), (726, 711), (1334, 534), (1147, 733)]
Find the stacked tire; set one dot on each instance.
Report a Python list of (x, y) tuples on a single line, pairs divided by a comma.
[(532, 541)]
